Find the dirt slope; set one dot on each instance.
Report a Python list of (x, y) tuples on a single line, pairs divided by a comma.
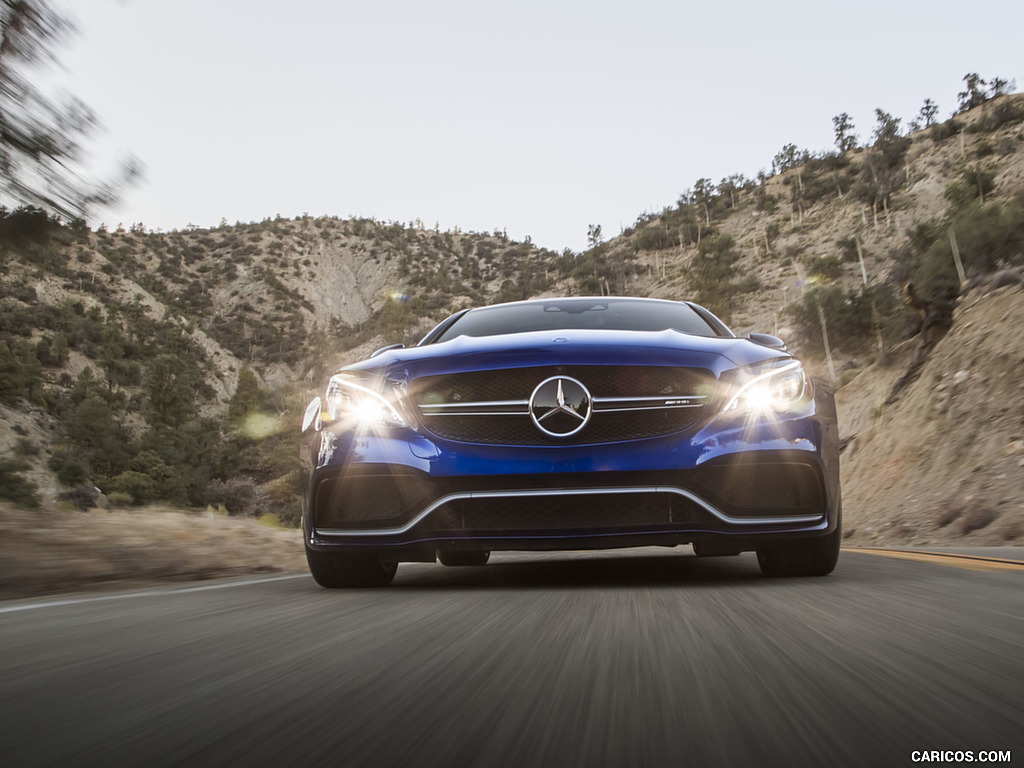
[(944, 463)]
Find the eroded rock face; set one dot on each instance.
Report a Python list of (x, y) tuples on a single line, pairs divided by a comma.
[(943, 463), (935, 315)]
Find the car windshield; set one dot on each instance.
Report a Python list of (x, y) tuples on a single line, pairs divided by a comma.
[(579, 314)]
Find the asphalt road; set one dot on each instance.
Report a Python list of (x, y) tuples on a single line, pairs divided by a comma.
[(642, 657)]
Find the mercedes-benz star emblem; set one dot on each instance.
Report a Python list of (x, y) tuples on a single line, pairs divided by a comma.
[(560, 406)]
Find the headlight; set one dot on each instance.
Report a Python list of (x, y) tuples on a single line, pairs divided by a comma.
[(769, 390), (354, 402)]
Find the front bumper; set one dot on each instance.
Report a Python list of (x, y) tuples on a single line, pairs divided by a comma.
[(405, 496)]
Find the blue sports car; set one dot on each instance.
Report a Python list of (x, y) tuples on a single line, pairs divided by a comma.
[(571, 423)]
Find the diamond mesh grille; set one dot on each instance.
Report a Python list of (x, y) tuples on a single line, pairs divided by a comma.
[(602, 381)]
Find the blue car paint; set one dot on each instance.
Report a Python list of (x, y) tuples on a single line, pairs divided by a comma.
[(442, 458), (812, 432), (524, 350)]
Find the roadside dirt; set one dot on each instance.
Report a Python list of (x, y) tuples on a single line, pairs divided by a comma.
[(54, 549)]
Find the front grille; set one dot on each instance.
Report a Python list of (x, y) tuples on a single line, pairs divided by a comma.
[(630, 403)]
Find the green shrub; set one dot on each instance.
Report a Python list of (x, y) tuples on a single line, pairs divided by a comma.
[(291, 513), (976, 183), (119, 500), (827, 267), (14, 486), (67, 464), (848, 248), (712, 270), (854, 318), (749, 284), (237, 494), (988, 236), (136, 486), (940, 132), (653, 237), (20, 370), (52, 351)]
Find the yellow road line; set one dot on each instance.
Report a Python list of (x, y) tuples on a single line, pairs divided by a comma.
[(971, 562)]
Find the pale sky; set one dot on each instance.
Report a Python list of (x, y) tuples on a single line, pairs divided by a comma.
[(539, 118)]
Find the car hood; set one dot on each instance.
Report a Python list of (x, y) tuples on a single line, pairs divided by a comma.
[(575, 347)]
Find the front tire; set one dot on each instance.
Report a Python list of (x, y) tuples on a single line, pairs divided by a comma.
[(801, 557), (333, 570)]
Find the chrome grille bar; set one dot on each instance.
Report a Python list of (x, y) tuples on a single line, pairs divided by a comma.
[(601, 404), (492, 408)]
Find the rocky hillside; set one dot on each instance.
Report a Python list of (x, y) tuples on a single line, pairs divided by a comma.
[(942, 461), (172, 366), (157, 366)]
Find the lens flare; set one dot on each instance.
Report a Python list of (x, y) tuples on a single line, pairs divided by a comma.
[(772, 391), (258, 425), (362, 405)]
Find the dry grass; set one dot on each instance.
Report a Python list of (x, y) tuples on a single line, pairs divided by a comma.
[(53, 549)]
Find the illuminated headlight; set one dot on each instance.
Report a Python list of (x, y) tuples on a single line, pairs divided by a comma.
[(356, 403), (766, 391)]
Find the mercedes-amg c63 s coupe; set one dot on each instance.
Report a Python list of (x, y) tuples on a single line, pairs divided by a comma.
[(571, 423)]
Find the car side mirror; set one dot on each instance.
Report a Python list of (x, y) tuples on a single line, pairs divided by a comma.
[(767, 340), (311, 418)]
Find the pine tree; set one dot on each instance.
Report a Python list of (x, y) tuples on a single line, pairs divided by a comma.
[(41, 136), (846, 139)]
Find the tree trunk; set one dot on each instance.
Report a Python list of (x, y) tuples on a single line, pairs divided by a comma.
[(956, 256), (860, 257), (824, 337)]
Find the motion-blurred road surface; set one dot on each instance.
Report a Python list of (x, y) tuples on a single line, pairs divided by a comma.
[(623, 658)]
